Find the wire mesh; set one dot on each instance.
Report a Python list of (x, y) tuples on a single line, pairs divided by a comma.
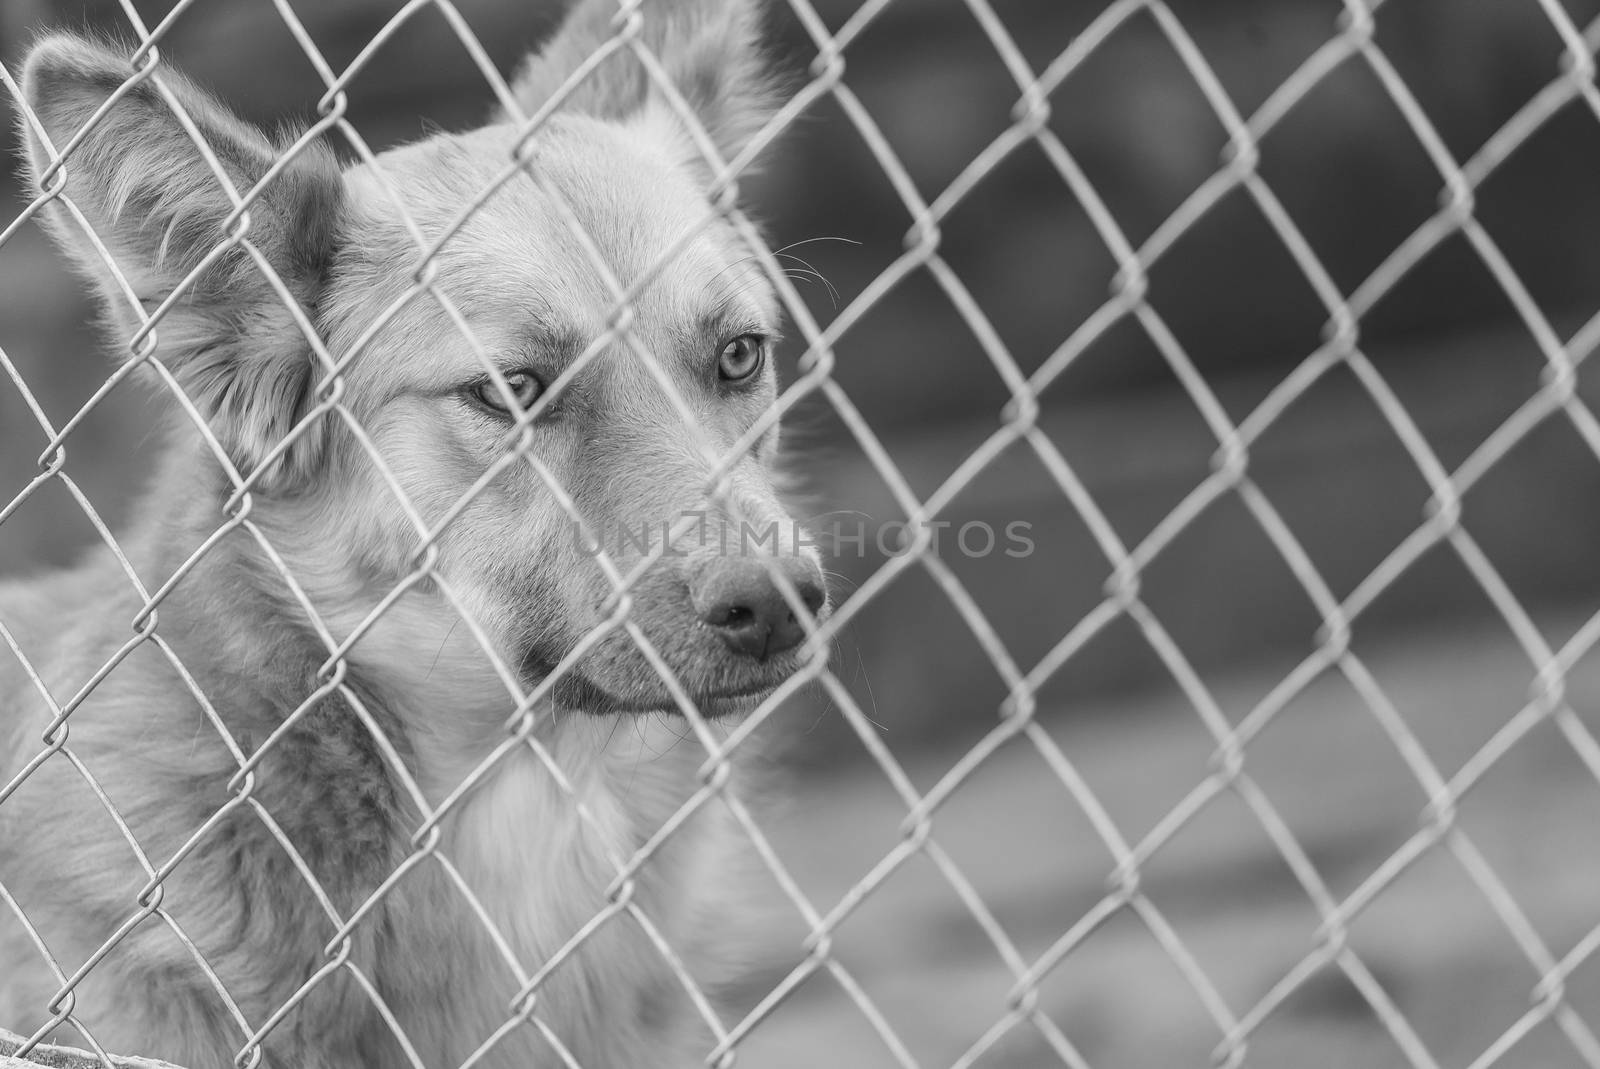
[(1352, 41)]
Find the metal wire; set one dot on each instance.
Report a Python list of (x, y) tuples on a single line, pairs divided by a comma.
[(1352, 42)]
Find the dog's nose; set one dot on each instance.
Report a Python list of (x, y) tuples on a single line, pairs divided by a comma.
[(739, 598)]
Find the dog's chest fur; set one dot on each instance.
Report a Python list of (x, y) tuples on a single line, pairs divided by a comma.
[(513, 903), (504, 893), (526, 868)]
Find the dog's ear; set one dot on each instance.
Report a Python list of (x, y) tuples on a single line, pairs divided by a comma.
[(157, 206), (710, 50)]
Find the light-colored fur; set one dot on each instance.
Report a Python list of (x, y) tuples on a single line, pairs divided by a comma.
[(422, 703)]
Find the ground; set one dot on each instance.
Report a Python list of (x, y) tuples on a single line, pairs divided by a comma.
[(1430, 938)]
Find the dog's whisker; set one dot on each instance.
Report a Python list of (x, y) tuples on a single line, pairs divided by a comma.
[(812, 241), (440, 651)]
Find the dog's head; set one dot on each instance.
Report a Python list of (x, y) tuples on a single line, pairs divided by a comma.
[(539, 241)]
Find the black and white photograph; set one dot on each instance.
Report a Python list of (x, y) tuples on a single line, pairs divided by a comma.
[(799, 534)]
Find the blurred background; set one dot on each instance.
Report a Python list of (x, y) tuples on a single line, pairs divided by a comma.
[(1447, 340)]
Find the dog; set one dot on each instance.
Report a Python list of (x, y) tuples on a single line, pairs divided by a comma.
[(376, 734)]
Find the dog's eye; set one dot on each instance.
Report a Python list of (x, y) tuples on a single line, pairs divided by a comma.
[(525, 387), (741, 357)]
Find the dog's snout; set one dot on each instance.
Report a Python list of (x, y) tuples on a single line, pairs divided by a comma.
[(740, 599)]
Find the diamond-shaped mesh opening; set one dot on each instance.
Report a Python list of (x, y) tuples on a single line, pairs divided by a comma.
[(1453, 265), (945, 995), (1021, 271), (1169, 745), (1141, 182), (1346, 131), (1315, 455), (1539, 245), (1267, 290), (1253, 55), (1327, 1022), (1123, 952), (1348, 831), (1512, 57), (1516, 823), (1137, 468), (1179, 592), (1555, 455), (915, 318), (1454, 689), (972, 100), (1385, 938), (1222, 884)]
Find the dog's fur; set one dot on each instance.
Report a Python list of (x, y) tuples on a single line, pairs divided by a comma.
[(422, 703)]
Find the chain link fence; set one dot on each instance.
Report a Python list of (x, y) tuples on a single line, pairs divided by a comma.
[(1022, 1022)]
